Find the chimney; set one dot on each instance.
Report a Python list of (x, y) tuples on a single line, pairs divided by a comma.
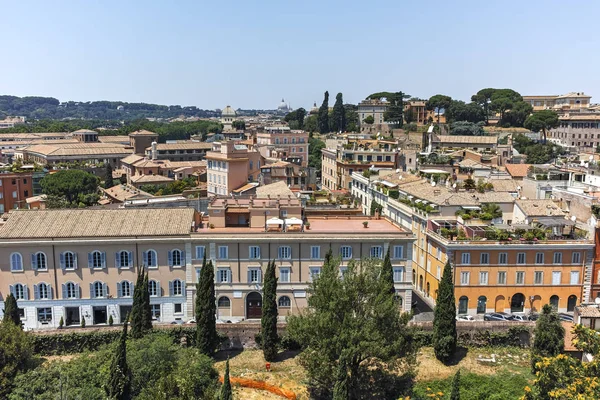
[(153, 151)]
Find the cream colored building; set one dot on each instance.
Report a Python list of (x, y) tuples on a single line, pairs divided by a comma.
[(231, 165), (573, 101)]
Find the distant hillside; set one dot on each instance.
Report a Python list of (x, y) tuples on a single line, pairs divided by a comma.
[(50, 108)]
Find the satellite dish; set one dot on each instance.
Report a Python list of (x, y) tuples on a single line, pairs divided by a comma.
[(573, 218), (397, 169), (597, 300), (518, 187), (433, 183), (454, 186)]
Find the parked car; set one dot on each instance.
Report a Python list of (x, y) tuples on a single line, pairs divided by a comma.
[(565, 317), (534, 316), (177, 322), (499, 316), (465, 317), (191, 321), (519, 318)]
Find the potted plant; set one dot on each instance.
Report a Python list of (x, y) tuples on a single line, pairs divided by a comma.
[(61, 323), (366, 224), (307, 225), (110, 321)]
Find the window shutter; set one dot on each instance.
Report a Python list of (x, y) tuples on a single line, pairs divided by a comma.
[(119, 290), (259, 275), (62, 261), (229, 277), (130, 259), (170, 258), (131, 288), (249, 276), (158, 289), (90, 260), (26, 292), (36, 292), (11, 288), (170, 288), (92, 294), (103, 254), (105, 289), (145, 259), (183, 262), (77, 291), (75, 260), (33, 262), (117, 259), (64, 291), (50, 293)]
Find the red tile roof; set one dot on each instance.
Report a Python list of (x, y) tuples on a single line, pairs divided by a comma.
[(517, 170)]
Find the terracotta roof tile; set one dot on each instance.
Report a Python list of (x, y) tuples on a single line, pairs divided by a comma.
[(517, 170)]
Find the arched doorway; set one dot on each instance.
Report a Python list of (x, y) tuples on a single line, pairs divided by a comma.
[(463, 305), (481, 305), (536, 304), (517, 302), (414, 279), (554, 302), (421, 283), (571, 303), (499, 307), (428, 288), (253, 305)]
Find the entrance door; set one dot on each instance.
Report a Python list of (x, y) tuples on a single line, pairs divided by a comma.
[(99, 314), (72, 316), (124, 311), (253, 305), (517, 302), (571, 303)]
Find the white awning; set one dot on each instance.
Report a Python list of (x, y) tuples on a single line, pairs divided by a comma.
[(293, 221), (274, 221)]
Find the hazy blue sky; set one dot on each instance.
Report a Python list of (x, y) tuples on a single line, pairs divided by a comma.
[(250, 54)]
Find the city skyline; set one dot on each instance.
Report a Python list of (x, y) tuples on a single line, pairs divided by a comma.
[(250, 56)]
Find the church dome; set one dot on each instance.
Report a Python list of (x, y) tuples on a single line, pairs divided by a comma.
[(228, 112), (283, 105)]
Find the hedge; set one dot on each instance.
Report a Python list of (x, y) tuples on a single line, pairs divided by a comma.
[(519, 336)]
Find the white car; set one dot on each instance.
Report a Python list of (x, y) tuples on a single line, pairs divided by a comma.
[(465, 318), (520, 318)]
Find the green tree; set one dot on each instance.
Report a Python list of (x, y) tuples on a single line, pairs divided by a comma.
[(108, 177), (387, 272), (518, 114), (338, 116), (141, 318), (340, 389), (323, 116), (409, 116), (369, 120), (483, 98), (438, 103), (353, 320), (311, 123), (503, 100), (460, 111), (315, 156), (226, 393), (207, 338), (542, 121), (269, 314), (444, 318), (352, 124), (119, 381), (455, 393), (16, 351), (464, 128), (376, 207), (11, 311), (239, 125), (470, 183), (549, 336), (74, 185), (395, 109)]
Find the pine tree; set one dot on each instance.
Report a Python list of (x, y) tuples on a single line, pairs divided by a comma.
[(340, 388), (387, 272), (338, 116), (206, 310), (269, 314), (139, 325), (549, 336), (455, 393), (323, 116), (11, 311), (226, 393), (146, 308), (118, 385), (108, 177), (444, 318)]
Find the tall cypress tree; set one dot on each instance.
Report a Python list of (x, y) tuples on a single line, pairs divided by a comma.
[(444, 318), (139, 324), (108, 177), (455, 393), (206, 310), (269, 314), (226, 393), (11, 311), (118, 385), (323, 116), (387, 272), (549, 336), (338, 116), (146, 309)]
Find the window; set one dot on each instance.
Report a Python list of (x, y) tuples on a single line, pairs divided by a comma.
[(254, 252), (376, 251), (428, 265), (557, 259), (200, 250), (284, 302), (439, 272), (154, 289), (574, 277), (346, 252), (483, 278), (38, 261), (439, 253), (96, 259), (315, 252), (484, 258), (68, 260), (538, 277), (285, 252), (539, 258), (70, 291), (223, 275), (176, 288), (556, 277), (42, 291), (155, 311), (150, 259), (520, 280), (177, 308), (576, 257), (224, 302), (44, 315), (398, 274), (502, 258), (176, 258), (314, 273), (16, 262), (254, 275), (124, 259), (502, 278), (124, 289), (520, 258), (223, 252), (97, 289), (464, 278), (465, 258), (284, 275), (343, 271), (19, 291)]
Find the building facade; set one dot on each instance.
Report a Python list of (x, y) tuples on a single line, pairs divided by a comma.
[(230, 166), (285, 144), (580, 131), (14, 190)]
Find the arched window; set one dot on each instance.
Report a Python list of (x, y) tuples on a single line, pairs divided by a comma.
[(124, 289), (463, 305), (554, 302), (571, 303), (224, 302), (43, 291), (285, 302), (428, 289), (175, 258), (150, 259), (16, 262), (481, 304), (96, 259), (38, 261), (123, 259), (19, 291), (98, 289), (177, 288), (68, 260), (71, 291), (153, 288)]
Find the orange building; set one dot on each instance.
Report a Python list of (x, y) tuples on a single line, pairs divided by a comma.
[(14, 191)]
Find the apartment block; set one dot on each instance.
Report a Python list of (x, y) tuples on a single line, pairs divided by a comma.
[(284, 144), (14, 190), (577, 130), (230, 166)]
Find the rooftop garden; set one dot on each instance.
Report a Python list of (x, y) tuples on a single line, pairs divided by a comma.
[(487, 212)]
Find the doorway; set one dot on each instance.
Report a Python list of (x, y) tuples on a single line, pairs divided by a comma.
[(517, 303), (571, 303), (124, 311), (99, 314), (72, 316), (253, 305)]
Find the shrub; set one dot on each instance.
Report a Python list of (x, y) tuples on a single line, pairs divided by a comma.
[(16, 353)]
